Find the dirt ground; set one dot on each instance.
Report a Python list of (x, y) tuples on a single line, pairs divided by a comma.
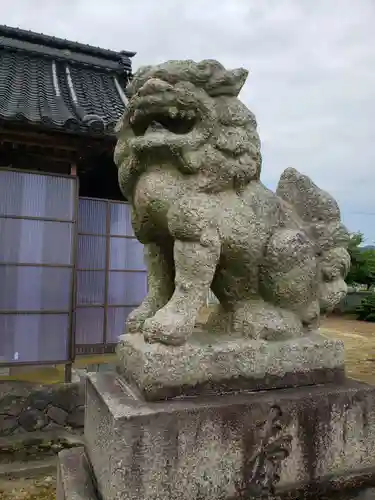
[(359, 340), (28, 489)]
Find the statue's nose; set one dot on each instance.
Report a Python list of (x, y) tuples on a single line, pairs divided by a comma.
[(154, 85)]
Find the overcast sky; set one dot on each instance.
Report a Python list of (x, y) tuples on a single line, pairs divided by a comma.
[(311, 82)]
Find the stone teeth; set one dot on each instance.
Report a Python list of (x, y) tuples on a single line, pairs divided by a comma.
[(173, 112), (155, 126)]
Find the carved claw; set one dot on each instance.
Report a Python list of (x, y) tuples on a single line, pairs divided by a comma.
[(166, 328), (136, 319)]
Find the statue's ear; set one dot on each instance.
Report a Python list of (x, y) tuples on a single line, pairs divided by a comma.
[(138, 79), (227, 82), (239, 77)]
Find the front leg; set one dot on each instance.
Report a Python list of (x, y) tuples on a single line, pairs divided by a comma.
[(195, 265), (160, 267)]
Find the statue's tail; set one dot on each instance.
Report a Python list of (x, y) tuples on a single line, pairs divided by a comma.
[(320, 215)]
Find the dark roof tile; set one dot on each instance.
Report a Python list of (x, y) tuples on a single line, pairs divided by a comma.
[(60, 43), (61, 84)]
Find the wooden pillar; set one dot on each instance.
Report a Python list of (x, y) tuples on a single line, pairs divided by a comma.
[(69, 366)]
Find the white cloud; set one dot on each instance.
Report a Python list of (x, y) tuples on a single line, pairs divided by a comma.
[(311, 82)]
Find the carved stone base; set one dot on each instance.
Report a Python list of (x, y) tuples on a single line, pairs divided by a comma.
[(304, 440), (75, 481), (206, 365)]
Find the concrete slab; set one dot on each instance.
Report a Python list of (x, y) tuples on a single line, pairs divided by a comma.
[(74, 478)]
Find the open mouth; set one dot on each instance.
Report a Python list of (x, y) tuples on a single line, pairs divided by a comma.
[(173, 120)]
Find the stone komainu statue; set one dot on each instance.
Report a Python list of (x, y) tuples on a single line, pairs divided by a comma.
[(189, 161)]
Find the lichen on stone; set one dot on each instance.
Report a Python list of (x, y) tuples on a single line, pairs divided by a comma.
[(189, 161)]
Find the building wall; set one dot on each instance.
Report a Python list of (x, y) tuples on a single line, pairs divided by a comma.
[(59, 288)]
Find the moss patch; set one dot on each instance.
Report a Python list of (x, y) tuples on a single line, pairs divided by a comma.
[(34, 449)]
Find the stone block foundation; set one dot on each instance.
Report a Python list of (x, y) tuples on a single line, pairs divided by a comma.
[(306, 440)]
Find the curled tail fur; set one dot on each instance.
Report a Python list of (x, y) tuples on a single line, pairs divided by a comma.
[(320, 215)]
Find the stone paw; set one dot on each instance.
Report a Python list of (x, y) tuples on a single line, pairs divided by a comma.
[(136, 319), (167, 328), (260, 320)]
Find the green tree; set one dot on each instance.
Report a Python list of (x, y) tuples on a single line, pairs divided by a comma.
[(362, 271), (366, 310)]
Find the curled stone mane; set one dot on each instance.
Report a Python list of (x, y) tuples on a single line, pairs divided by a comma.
[(224, 146), (209, 75)]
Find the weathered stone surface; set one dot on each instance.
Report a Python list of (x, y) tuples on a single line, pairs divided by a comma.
[(12, 404), (67, 396), (189, 162), (76, 419), (74, 480), (204, 365), (228, 446), (7, 424), (58, 415), (32, 420), (35, 407)]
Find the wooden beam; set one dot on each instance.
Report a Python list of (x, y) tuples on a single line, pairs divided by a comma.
[(65, 141), (29, 141), (59, 159), (16, 149)]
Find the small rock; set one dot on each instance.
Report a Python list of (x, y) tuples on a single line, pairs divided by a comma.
[(40, 398), (41, 404), (7, 425), (32, 420), (67, 396), (12, 405), (77, 417), (58, 415), (51, 426)]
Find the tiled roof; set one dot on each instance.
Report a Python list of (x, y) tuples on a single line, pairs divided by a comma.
[(61, 84)]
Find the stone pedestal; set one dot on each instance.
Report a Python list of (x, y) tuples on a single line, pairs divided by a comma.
[(148, 438), (315, 438), (205, 366)]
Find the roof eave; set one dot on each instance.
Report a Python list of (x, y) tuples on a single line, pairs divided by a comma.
[(127, 53), (61, 43)]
